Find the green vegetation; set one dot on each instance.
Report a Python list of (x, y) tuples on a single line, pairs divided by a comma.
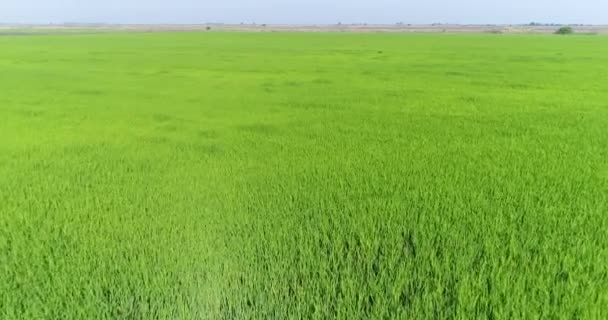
[(287, 176), (565, 30)]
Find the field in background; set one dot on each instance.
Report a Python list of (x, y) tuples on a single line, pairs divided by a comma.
[(301, 175), (75, 28)]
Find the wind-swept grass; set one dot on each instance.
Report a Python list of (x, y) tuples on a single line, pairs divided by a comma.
[(288, 176)]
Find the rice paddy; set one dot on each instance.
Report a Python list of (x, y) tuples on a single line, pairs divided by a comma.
[(303, 175)]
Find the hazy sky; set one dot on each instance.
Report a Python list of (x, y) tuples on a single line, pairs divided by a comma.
[(304, 11)]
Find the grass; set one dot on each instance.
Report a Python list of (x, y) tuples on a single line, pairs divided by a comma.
[(316, 176)]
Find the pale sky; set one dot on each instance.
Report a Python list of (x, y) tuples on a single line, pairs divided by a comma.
[(305, 11)]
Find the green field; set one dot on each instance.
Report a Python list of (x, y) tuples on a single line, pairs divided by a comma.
[(303, 176)]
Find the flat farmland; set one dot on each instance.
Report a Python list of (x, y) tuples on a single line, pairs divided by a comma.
[(227, 175)]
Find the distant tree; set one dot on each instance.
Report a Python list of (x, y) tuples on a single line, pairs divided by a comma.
[(208, 28), (565, 30)]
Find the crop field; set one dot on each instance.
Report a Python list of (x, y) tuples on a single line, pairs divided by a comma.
[(226, 175)]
